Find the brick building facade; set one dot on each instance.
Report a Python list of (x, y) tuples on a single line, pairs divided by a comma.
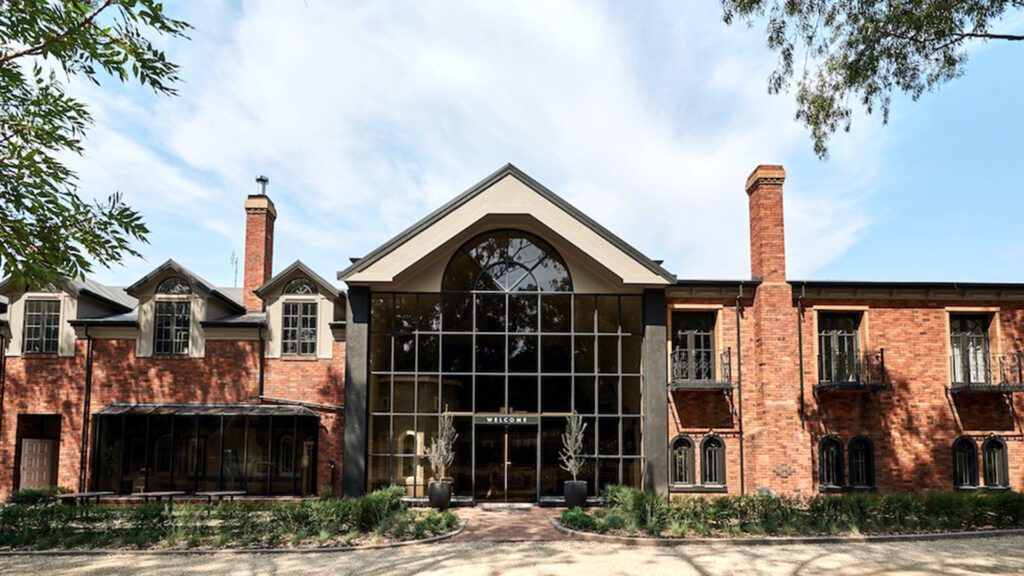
[(508, 301)]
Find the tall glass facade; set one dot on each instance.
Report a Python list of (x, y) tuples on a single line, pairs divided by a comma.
[(505, 336)]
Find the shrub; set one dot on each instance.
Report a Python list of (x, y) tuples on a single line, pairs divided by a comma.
[(33, 496), (374, 509), (578, 519)]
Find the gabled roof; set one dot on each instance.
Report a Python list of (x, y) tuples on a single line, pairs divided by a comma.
[(113, 296), (306, 271), (507, 170), (195, 278)]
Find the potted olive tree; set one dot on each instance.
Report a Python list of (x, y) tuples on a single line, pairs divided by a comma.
[(572, 461), (441, 454)]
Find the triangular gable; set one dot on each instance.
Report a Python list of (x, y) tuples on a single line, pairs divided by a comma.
[(302, 269), (196, 279), (509, 191)]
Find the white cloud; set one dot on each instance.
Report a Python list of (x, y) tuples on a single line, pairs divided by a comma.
[(368, 116)]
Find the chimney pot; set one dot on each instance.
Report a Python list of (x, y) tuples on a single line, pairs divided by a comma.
[(261, 185)]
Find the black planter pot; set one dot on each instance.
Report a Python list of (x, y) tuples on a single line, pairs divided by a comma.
[(575, 493), (440, 495)]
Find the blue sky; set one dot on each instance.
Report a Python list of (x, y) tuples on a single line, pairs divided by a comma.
[(647, 116)]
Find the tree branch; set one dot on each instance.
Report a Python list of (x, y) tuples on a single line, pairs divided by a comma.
[(36, 50)]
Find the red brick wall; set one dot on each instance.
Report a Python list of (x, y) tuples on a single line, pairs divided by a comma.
[(260, 215), (228, 374)]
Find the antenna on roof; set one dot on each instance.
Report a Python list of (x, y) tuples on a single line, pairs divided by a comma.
[(234, 264)]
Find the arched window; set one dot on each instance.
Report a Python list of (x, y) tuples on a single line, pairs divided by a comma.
[(174, 285), (682, 461), (965, 463), (830, 462), (300, 286), (507, 261), (712, 460), (862, 462), (995, 462)]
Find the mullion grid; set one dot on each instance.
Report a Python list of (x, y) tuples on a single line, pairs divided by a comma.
[(595, 335), (42, 319)]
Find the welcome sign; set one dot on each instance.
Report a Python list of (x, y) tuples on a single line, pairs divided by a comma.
[(505, 419)]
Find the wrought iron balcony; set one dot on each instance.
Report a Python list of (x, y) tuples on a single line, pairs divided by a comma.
[(973, 373), (838, 370), (697, 370)]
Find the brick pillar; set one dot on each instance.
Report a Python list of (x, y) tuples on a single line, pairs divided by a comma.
[(779, 446), (260, 215)]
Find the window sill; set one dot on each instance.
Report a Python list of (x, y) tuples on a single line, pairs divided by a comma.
[(698, 488), (842, 489), (40, 355), (983, 488), (298, 358)]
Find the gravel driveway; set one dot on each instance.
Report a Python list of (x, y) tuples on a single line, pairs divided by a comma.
[(1004, 555)]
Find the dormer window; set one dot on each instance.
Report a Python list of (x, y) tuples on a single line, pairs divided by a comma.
[(299, 324), (42, 326), (172, 317)]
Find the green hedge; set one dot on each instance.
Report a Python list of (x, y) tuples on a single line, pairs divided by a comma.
[(44, 523), (636, 511)]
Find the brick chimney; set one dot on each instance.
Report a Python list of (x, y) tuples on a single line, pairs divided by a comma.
[(259, 243), (767, 233)]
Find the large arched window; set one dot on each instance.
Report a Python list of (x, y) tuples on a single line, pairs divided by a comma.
[(862, 462), (965, 463), (995, 462), (712, 461), (682, 461), (172, 317), (830, 462), (507, 261)]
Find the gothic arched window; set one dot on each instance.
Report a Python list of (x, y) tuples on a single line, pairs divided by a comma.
[(965, 463), (682, 461), (830, 462), (995, 463)]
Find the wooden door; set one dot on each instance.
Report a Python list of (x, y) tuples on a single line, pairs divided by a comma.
[(37, 463)]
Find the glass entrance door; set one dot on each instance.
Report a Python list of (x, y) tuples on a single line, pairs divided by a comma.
[(506, 463)]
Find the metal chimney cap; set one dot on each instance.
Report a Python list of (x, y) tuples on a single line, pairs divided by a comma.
[(261, 182)]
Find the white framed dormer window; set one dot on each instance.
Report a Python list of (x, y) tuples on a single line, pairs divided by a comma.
[(172, 317), (42, 326), (299, 318)]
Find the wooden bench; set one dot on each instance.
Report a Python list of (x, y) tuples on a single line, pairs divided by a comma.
[(79, 498), (159, 496)]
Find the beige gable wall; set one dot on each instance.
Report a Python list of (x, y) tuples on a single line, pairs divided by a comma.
[(147, 308), (274, 303), (508, 196)]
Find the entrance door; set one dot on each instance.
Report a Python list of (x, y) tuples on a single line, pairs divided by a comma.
[(37, 463), (506, 463)]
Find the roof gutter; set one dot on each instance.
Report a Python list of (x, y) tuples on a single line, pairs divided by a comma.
[(310, 405)]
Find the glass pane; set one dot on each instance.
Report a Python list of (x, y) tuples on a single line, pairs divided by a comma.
[(461, 273), (405, 353), (630, 394), (403, 435), (584, 394), (583, 313), (632, 347), (552, 276), (429, 353), (607, 314), (608, 354), (426, 431), (584, 354), (490, 393), (632, 314), (461, 471), (556, 354), (556, 394), (522, 354), (233, 462), (381, 313), (458, 393), (490, 353), (608, 436), (457, 353), (552, 476), (556, 312), (522, 313), (490, 313), (458, 313), (405, 393), (522, 394), (631, 472), (429, 306), (427, 395), (608, 472), (608, 395), (380, 393), (406, 313), (631, 436), (380, 435), (209, 459), (380, 353)]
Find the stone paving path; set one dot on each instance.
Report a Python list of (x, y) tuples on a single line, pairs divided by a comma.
[(508, 525)]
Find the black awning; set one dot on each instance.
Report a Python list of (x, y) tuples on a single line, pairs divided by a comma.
[(206, 410)]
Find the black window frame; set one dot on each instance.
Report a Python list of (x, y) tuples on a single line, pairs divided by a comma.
[(172, 330), (864, 449), (712, 465), (839, 348), (683, 461), (995, 463), (693, 348), (300, 313), (965, 463), (48, 328), (968, 365), (830, 463)]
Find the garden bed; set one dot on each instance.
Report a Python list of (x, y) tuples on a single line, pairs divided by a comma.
[(379, 518), (634, 514)]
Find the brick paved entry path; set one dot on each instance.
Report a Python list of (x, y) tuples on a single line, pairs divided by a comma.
[(518, 524)]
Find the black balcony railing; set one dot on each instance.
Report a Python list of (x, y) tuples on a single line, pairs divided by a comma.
[(976, 372), (838, 370), (698, 369)]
